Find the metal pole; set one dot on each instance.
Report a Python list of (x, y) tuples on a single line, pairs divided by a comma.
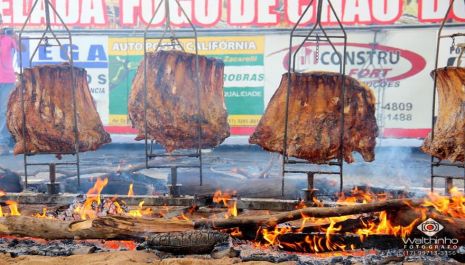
[(438, 44)]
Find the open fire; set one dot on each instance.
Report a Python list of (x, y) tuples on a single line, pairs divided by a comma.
[(307, 233), (307, 229)]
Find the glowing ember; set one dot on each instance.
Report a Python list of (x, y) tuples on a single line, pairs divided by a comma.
[(236, 232), (119, 245)]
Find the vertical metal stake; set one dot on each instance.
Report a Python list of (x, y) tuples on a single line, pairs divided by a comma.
[(449, 185), (52, 173), (310, 194)]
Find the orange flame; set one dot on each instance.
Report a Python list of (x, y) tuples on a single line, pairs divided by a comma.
[(329, 226), (13, 208), (182, 217), (226, 199), (384, 226), (232, 209), (300, 205), (42, 215), (453, 206), (140, 211), (93, 197), (271, 236), (131, 191), (360, 196), (2, 193)]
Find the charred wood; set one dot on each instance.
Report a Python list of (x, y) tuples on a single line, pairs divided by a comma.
[(453, 227), (109, 227), (191, 242), (318, 212), (290, 242)]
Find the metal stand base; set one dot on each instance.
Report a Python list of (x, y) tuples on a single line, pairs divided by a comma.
[(53, 188), (175, 190), (174, 187), (449, 185), (309, 194)]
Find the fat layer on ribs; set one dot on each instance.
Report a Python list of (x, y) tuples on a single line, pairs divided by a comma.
[(49, 112), (172, 106), (448, 142), (314, 118)]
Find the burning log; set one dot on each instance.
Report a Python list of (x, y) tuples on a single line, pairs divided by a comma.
[(314, 118), (172, 108), (453, 227), (346, 226), (317, 243), (49, 108), (449, 130), (317, 212), (108, 227)]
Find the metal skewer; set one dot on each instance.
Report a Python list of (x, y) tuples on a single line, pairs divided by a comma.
[(174, 43), (45, 40), (317, 35)]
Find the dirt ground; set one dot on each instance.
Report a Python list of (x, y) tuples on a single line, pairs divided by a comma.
[(122, 258)]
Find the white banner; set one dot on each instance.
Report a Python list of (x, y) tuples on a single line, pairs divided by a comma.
[(90, 53), (398, 67)]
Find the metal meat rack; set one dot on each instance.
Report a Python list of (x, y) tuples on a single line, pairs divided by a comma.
[(437, 163), (170, 34), (48, 35), (317, 35)]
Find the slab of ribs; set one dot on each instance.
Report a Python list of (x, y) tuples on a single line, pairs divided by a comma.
[(172, 107), (49, 112), (448, 141), (314, 123)]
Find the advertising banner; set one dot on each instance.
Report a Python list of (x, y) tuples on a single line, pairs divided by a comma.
[(397, 67), (243, 77), (116, 14), (451, 47), (89, 52)]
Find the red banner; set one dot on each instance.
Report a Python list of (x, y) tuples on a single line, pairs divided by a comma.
[(229, 13)]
